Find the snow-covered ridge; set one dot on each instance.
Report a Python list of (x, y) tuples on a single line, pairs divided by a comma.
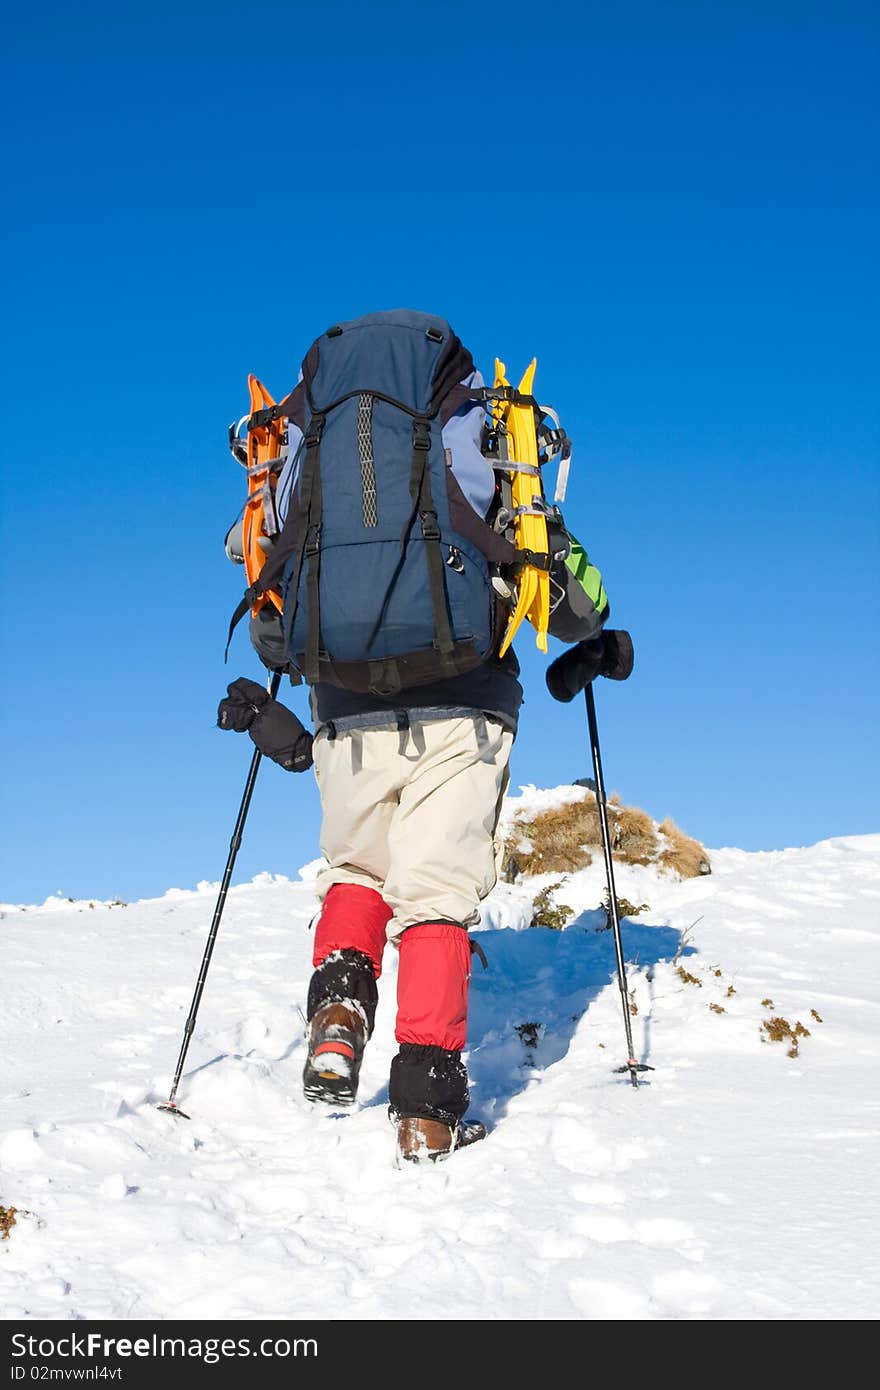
[(57, 902), (730, 1187)]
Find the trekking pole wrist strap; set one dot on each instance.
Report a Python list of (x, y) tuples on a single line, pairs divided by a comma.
[(248, 600)]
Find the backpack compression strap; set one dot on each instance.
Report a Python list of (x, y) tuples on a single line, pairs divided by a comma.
[(311, 550), (462, 395), (423, 501)]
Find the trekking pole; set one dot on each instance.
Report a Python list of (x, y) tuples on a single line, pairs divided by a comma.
[(631, 1065), (170, 1104)]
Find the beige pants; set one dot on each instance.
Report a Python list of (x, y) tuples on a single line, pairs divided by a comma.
[(413, 813)]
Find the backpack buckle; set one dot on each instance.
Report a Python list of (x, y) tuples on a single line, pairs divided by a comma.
[(430, 528), (314, 432), (313, 541), (421, 435)]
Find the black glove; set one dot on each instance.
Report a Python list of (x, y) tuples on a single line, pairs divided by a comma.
[(610, 654), (617, 656), (274, 728), (243, 703)]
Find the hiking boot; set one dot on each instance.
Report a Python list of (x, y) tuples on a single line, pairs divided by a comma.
[(337, 1035), (420, 1140)]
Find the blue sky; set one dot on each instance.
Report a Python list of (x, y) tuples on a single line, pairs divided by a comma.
[(674, 207)]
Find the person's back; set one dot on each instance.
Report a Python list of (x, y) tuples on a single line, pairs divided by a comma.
[(389, 568)]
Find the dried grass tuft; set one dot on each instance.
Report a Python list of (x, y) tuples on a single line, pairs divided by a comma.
[(563, 840), (560, 839), (633, 835), (781, 1030), (682, 854)]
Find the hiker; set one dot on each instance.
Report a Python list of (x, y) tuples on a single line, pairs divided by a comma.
[(394, 608)]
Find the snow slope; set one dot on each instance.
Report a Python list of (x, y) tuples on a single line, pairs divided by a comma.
[(738, 1184)]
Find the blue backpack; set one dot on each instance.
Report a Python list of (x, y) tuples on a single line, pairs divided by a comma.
[(382, 563)]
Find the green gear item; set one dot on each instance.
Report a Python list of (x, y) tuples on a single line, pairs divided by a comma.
[(589, 578)]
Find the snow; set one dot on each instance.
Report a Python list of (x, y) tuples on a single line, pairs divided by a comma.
[(738, 1184), (533, 800)]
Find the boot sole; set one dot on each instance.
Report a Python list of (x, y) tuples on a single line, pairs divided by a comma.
[(331, 1087)]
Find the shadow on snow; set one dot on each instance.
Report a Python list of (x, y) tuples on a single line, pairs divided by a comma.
[(525, 1008)]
